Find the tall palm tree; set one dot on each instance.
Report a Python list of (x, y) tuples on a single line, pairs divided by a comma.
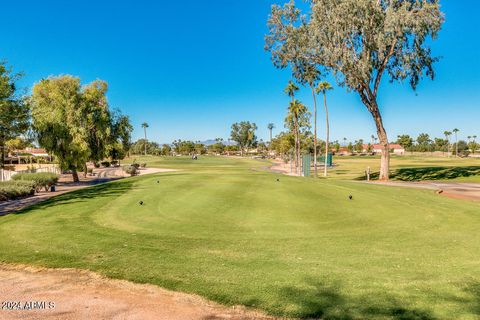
[(345, 142), (456, 140), (447, 137), (295, 111), (474, 143), (270, 127), (323, 87), (145, 126), (290, 89)]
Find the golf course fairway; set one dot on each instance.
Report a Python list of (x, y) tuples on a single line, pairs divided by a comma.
[(235, 233)]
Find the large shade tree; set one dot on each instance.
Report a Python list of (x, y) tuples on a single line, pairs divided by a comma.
[(58, 121), (243, 133), (14, 111), (361, 42), (75, 124), (96, 119)]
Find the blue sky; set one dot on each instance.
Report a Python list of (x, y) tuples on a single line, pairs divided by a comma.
[(192, 68)]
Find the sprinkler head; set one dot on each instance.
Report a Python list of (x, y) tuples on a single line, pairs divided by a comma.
[(141, 203), (350, 197)]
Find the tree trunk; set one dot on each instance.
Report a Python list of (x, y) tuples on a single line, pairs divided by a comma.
[(315, 132), (75, 175), (382, 136), (325, 173), (297, 147), (85, 170), (2, 150), (145, 131)]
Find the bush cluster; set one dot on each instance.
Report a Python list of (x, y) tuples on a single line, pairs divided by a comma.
[(131, 170), (40, 180), (106, 164), (10, 190)]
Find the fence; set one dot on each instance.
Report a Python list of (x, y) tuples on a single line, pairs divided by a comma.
[(6, 175)]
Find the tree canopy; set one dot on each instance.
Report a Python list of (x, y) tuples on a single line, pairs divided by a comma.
[(358, 42), (14, 111), (75, 123), (243, 133)]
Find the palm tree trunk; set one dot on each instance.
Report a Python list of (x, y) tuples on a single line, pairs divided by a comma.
[(315, 132), (456, 145), (297, 163), (325, 173), (145, 131)]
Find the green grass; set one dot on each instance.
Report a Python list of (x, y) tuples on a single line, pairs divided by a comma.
[(228, 230), (410, 168)]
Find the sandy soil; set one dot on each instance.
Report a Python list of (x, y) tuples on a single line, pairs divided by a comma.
[(280, 166), (75, 294)]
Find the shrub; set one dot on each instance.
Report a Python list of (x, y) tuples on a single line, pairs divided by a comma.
[(90, 171), (10, 190), (40, 179), (106, 164), (136, 165), (114, 163), (143, 165), (131, 170)]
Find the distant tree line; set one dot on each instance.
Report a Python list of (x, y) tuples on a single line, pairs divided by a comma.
[(424, 143)]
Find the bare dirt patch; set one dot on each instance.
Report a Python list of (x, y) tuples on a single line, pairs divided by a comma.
[(80, 294)]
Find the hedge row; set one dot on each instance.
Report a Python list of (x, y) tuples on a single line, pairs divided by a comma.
[(16, 189), (41, 179)]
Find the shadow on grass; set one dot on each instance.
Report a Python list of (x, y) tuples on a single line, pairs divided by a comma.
[(320, 300), (326, 301), (102, 190), (430, 173)]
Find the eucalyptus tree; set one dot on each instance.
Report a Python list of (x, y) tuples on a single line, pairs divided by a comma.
[(270, 127), (145, 126), (456, 131), (14, 110), (243, 133), (95, 111), (322, 88), (120, 137), (361, 41), (297, 119)]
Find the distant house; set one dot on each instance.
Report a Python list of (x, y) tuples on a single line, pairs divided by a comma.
[(343, 151), (377, 148), (25, 155), (36, 152)]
